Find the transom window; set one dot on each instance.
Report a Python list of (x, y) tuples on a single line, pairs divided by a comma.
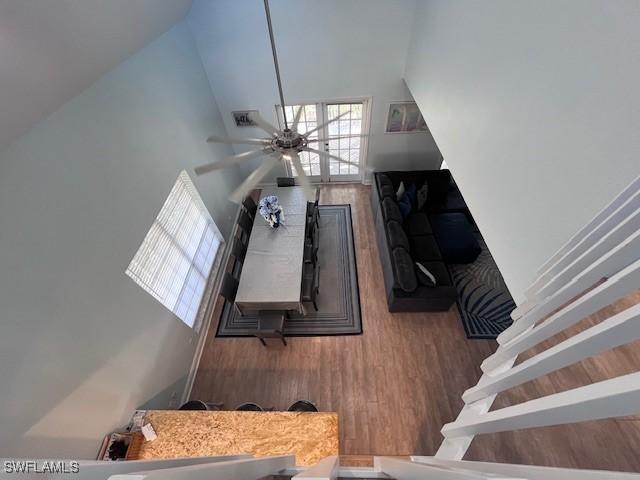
[(175, 260)]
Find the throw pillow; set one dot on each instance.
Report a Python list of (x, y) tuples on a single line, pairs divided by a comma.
[(405, 274), (405, 205), (400, 191), (412, 191), (422, 196), (424, 276)]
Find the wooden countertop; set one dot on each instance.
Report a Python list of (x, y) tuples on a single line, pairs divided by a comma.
[(310, 436)]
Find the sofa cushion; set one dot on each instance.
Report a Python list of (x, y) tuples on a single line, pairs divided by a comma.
[(438, 182), (424, 248), (397, 237), (451, 202), (455, 237), (412, 192), (390, 210), (418, 224), (383, 180), (405, 275), (440, 271), (387, 191)]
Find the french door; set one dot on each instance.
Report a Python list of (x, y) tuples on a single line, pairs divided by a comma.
[(345, 138)]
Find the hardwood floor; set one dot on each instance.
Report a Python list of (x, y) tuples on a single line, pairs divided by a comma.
[(395, 385)]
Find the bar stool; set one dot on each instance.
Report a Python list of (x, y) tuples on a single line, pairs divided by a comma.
[(249, 407), (200, 405), (302, 406)]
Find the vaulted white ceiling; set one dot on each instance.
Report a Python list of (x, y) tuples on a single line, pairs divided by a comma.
[(52, 50)]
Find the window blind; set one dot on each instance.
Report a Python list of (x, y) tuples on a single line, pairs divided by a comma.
[(175, 259)]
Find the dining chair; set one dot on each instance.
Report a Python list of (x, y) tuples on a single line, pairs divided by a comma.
[(238, 251), (311, 249), (245, 222), (249, 407), (312, 223), (270, 325), (310, 284), (286, 181), (317, 203), (229, 287), (311, 207), (250, 206), (302, 406)]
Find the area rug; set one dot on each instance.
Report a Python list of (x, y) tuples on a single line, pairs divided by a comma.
[(484, 302), (338, 299)]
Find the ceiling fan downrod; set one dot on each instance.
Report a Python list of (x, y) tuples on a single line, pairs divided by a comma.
[(275, 63)]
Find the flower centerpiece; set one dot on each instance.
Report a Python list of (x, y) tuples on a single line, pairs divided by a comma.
[(271, 211)]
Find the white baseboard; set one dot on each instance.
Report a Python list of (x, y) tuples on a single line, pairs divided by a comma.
[(206, 323)]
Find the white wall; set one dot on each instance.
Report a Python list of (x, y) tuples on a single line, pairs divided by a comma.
[(327, 49), (534, 106), (81, 345), (52, 51)]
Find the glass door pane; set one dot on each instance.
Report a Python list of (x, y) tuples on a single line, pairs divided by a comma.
[(308, 121), (344, 140)]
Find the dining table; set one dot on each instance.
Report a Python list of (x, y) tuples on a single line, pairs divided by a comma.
[(271, 277)]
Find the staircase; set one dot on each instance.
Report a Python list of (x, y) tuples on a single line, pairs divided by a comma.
[(282, 468)]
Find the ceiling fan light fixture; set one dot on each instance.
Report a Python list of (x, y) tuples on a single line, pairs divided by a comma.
[(282, 145)]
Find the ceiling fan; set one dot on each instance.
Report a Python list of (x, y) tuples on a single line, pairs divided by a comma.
[(281, 145)]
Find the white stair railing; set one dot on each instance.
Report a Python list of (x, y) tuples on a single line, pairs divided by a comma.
[(583, 236), (603, 260), (530, 472), (243, 469), (385, 468)]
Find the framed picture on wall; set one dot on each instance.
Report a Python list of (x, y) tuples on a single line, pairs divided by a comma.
[(405, 117)]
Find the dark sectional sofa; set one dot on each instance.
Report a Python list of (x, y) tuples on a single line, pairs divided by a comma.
[(440, 232)]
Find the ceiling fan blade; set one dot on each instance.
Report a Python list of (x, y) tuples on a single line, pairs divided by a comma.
[(230, 161), (296, 119), (321, 152), (337, 137), (263, 124), (325, 124), (302, 176), (254, 178), (233, 140)]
